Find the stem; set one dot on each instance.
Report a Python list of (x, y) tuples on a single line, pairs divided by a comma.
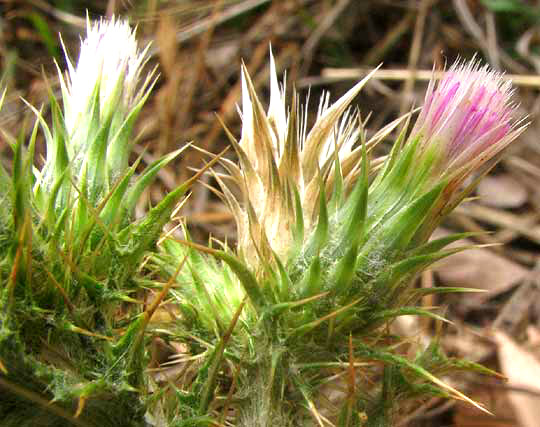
[(266, 387)]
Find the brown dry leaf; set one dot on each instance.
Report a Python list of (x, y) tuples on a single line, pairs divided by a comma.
[(523, 371), (479, 268), (502, 191)]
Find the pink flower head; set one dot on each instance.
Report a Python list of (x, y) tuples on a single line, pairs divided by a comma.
[(467, 114)]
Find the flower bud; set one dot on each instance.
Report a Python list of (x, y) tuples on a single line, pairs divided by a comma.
[(469, 115), (109, 62)]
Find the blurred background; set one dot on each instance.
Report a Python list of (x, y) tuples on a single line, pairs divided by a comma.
[(199, 46)]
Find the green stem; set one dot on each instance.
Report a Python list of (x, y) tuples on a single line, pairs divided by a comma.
[(266, 403)]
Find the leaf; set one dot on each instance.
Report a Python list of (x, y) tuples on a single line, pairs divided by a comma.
[(136, 238), (312, 281), (399, 230), (437, 244), (344, 272), (134, 193), (417, 370), (298, 230), (407, 311), (247, 279), (354, 212), (214, 364), (320, 236), (114, 207)]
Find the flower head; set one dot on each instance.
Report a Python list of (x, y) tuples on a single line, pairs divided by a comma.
[(468, 113), (285, 165), (102, 96), (467, 119), (109, 57)]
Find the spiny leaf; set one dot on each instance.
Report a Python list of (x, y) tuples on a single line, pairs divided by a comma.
[(413, 264), (285, 284), (311, 283), (146, 178), (93, 178), (440, 243), (50, 214), (354, 212), (388, 192), (214, 362), (119, 144), (114, 206), (394, 154), (394, 359), (338, 192), (277, 309), (320, 236), (306, 328), (344, 271), (290, 159), (400, 229), (246, 277), (140, 236), (209, 306), (298, 230), (407, 311)]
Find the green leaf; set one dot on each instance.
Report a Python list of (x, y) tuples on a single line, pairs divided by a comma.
[(213, 365), (395, 190), (208, 302), (50, 215), (512, 6), (392, 158), (404, 269), (59, 163), (119, 144), (311, 282), (438, 244), (138, 237), (285, 284), (298, 230), (402, 362), (146, 178), (93, 182), (114, 206), (386, 315), (20, 185), (400, 229), (320, 236), (353, 214), (246, 277), (345, 271), (336, 200)]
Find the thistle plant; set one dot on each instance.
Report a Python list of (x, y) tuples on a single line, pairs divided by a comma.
[(329, 242), (71, 325), (290, 328)]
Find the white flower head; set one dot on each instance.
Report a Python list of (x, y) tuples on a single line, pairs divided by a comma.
[(109, 56)]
